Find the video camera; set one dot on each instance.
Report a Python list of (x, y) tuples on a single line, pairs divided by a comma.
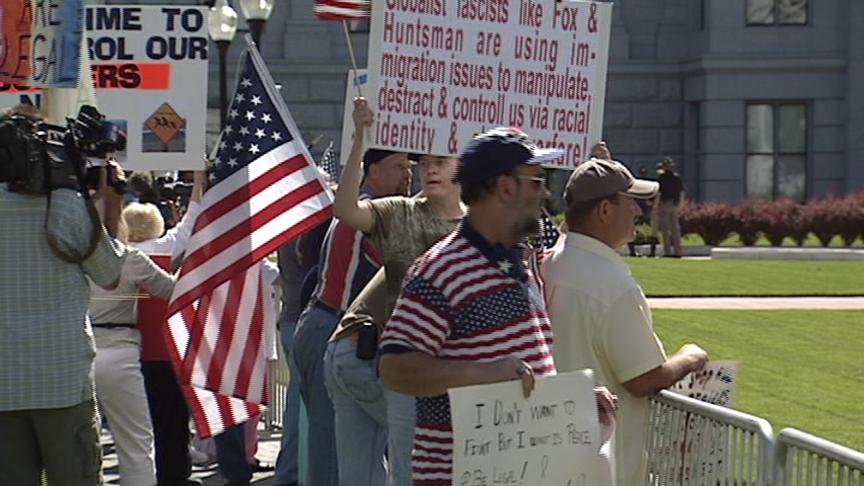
[(37, 157)]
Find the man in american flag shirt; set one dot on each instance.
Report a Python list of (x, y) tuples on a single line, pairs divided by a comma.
[(471, 309)]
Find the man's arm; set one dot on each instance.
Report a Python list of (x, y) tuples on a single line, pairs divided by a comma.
[(689, 358), (346, 207), (422, 375), (112, 201)]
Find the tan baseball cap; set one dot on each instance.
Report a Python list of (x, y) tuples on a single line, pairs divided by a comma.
[(596, 178)]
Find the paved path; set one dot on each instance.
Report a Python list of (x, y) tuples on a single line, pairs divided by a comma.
[(757, 303)]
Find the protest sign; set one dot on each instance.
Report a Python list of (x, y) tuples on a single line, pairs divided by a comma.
[(347, 121), (551, 438), (56, 43), (715, 383), (149, 67), (440, 72), (16, 18)]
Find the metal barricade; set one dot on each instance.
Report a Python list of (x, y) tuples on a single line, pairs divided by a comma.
[(696, 443), (278, 388), (806, 460)]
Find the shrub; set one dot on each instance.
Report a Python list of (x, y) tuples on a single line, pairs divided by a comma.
[(849, 213), (782, 218), (750, 220), (820, 218), (713, 221)]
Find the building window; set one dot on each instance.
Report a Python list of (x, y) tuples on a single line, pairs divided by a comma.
[(776, 150), (776, 12)]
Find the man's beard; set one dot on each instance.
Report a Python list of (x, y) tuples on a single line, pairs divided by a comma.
[(528, 228)]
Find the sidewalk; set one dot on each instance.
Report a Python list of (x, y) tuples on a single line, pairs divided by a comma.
[(268, 449), (757, 303)]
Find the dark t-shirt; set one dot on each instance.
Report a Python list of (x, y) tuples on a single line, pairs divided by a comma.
[(670, 187)]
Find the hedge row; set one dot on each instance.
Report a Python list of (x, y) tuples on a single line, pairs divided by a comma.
[(776, 220)]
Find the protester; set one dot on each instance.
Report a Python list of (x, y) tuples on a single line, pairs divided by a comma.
[(168, 410), (351, 376), (668, 201), (348, 261), (48, 418), (599, 314), (437, 318), (401, 229), (118, 377)]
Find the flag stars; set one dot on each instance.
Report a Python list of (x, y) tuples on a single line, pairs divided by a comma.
[(250, 115), (228, 130), (238, 146), (240, 98), (222, 145), (256, 100), (260, 133), (266, 118), (212, 177), (245, 83), (232, 162), (244, 130), (276, 136), (254, 149), (233, 113)]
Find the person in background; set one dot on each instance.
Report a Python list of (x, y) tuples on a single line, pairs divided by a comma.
[(401, 228), (168, 411), (668, 202), (600, 318), (348, 260)]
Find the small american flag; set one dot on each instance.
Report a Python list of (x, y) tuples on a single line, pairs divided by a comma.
[(328, 162), (264, 191), (343, 9)]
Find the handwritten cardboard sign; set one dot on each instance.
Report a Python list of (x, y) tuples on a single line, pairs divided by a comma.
[(440, 72), (550, 439), (55, 44), (714, 384)]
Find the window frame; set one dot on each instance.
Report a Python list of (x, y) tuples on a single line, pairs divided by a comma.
[(775, 23), (776, 153)]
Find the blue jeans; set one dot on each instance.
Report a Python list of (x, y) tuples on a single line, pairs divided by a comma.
[(361, 415), (286, 461), (231, 452), (313, 331), (401, 413)]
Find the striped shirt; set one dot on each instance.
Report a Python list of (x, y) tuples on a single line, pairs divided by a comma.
[(468, 300), (348, 262), (46, 343)]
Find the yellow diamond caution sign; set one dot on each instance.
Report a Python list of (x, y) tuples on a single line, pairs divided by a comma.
[(165, 123)]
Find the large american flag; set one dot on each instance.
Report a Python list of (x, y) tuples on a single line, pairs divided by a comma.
[(343, 9), (264, 190)]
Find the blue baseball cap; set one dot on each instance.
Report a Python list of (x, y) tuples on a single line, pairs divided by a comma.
[(498, 151)]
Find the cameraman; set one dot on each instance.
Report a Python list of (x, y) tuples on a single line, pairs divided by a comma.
[(48, 418)]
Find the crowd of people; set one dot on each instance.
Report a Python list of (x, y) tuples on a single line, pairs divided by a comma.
[(395, 300)]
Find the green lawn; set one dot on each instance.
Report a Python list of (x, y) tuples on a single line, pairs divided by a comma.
[(672, 277), (802, 369), (693, 239)]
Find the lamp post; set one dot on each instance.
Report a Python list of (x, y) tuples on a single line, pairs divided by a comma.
[(256, 12), (222, 25)]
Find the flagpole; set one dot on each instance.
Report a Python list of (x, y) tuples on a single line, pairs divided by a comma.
[(351, 53)]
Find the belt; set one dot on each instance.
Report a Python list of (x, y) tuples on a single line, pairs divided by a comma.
[(113, 325), (321, 305)]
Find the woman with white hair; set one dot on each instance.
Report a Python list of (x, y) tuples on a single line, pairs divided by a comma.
[(121, 387)]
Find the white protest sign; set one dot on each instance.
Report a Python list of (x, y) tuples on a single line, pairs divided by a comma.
[(440, 72), (550, 439), (347, 121), (55, 43), (715, 383), (149, 67)]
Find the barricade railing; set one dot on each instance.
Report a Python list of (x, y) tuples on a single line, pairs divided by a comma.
[(803, 459), (696, 443), (278, 388)]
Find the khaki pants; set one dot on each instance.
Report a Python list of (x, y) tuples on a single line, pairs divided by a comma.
[(64, 442), (669, 229)]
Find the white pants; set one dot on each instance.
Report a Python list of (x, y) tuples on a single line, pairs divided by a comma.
[(120, 390)]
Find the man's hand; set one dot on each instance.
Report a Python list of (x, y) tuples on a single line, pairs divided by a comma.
[(607, 405), (698, 357), (362, 115), (510, 368)]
